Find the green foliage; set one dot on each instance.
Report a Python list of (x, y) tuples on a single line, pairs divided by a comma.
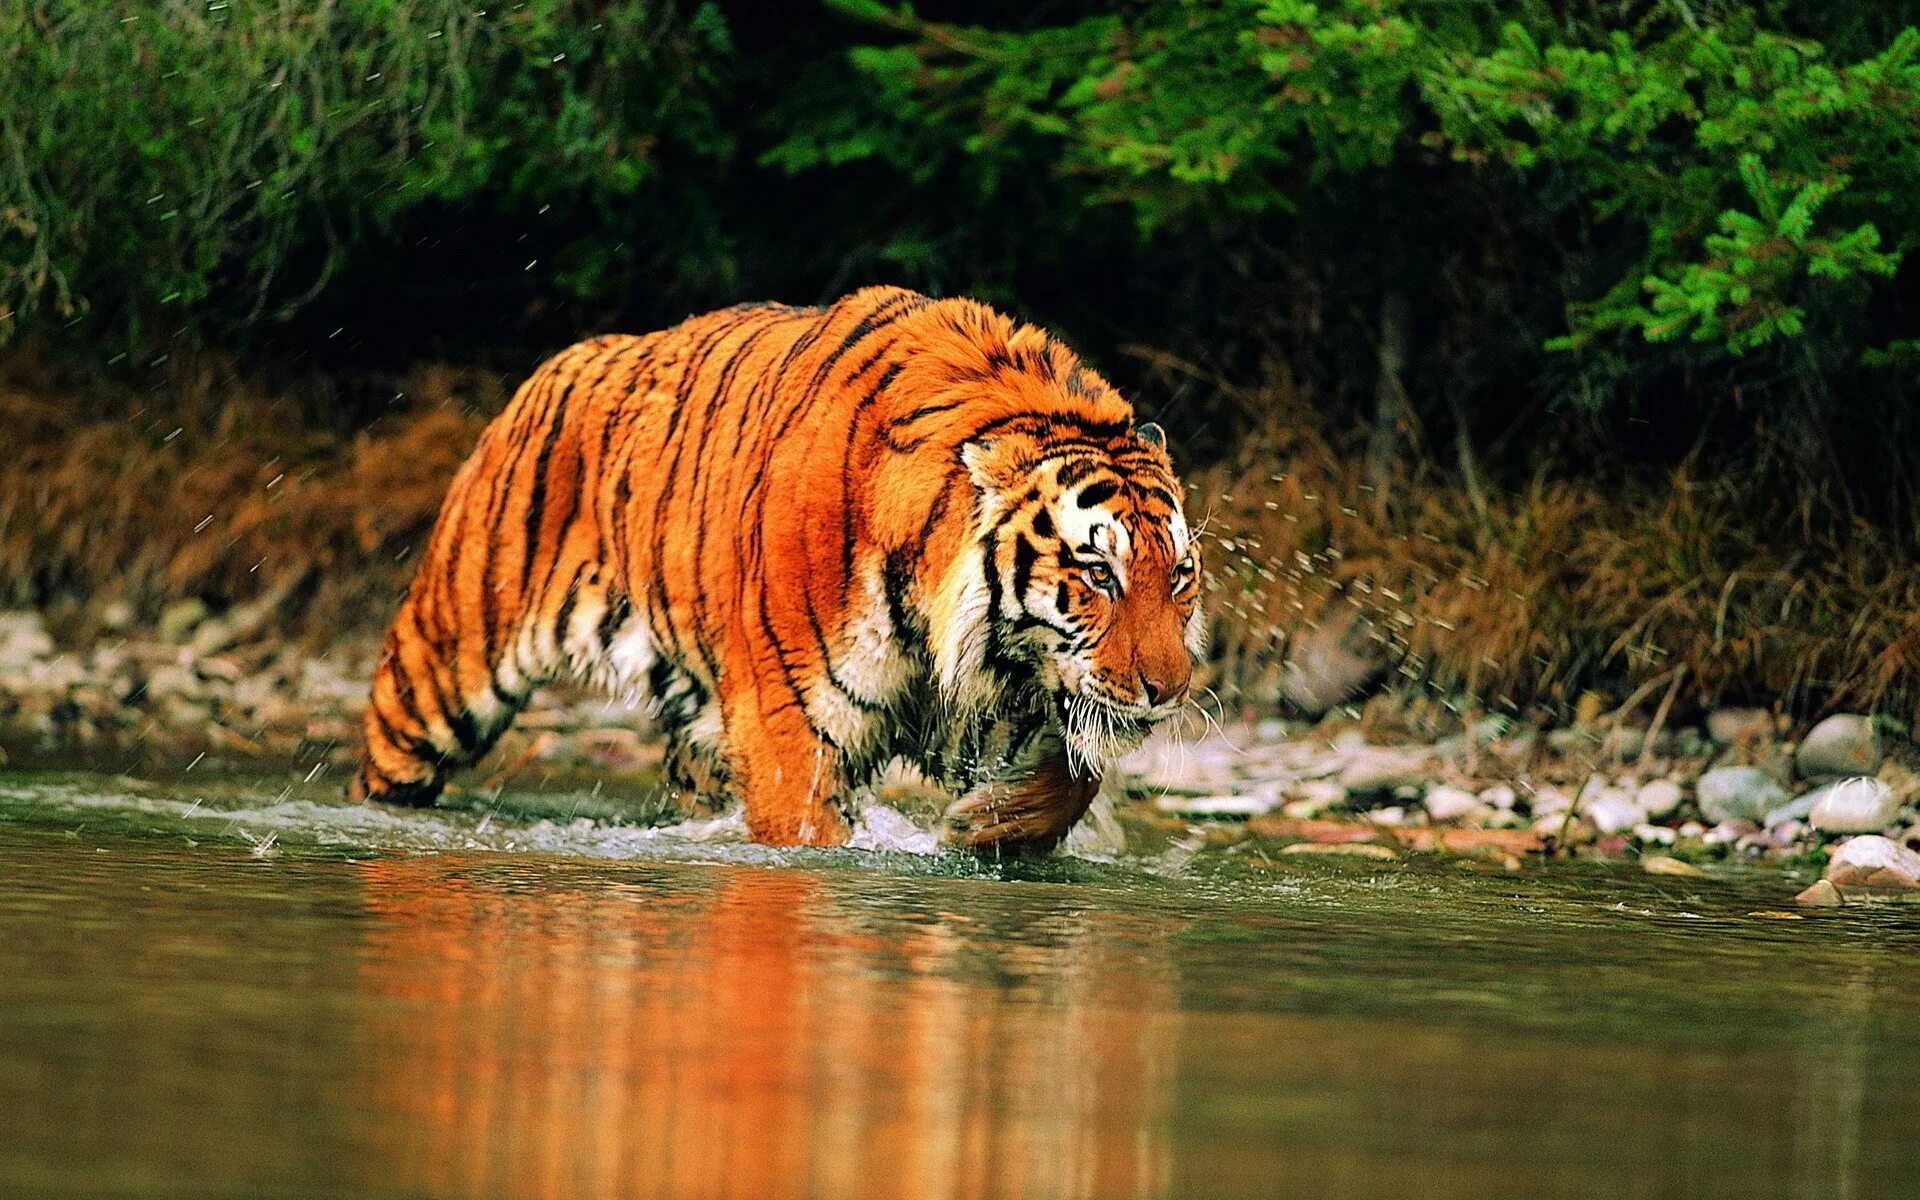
[(1750, 168), (187, 161)]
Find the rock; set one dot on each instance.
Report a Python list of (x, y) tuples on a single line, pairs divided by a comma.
[(1610, 810), (1873, 861), (1858, 805), (1738, 794), (1499, 797), (1394, 816), (179, 619), (1246, 804), (1821, 895), (1315, 796), (1372, 770), (1654, 834), (1729, 831), (1795, 809), (1658, 798), (1355, 849), (23, 640), (1666, 864), (1445, 803), (1731, 726), (1843, 744), (1331, 662), (1550, 802)]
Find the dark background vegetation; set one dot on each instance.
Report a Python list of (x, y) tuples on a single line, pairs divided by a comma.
[(1573, 343)]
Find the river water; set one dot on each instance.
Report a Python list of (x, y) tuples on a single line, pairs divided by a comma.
[(238, 987)]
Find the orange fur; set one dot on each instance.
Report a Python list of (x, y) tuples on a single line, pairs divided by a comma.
[(779, 526)]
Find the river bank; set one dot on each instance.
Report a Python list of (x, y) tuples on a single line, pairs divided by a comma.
[(1392, 776)]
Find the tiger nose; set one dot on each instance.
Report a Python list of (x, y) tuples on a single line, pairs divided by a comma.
[(1162, 690)]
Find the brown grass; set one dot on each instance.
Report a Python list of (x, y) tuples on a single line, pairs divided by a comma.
[(1558, 588), (223, 491)]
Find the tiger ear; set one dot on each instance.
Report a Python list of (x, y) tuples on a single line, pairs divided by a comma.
[(1152, 435)]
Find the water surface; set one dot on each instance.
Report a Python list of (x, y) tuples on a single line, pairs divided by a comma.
[(240, 988)]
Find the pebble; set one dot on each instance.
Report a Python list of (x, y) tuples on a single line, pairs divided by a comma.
[(1350, 849), (1311, 797), (1873, 861), (1795, 809), (1610, 810), (1843, 744), (1729, 831), (1375, 769), (1446, 803), (1821, 895), (1548, 802), (1859, 805), (1658, 797), (1655, 834), (180, 618), (23, 639), (1666, 864), (1245, 804), (1738, 794), (1499, 796)]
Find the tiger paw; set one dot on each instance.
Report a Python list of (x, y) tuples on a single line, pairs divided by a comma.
[(1024, 818)]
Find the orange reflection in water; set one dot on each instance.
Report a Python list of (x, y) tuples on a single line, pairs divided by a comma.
[(757, 1033)]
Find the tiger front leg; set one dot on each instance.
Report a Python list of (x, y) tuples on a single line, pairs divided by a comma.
[(1026, 815), (788, 779)]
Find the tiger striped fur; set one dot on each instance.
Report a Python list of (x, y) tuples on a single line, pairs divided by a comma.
[(814, 540)]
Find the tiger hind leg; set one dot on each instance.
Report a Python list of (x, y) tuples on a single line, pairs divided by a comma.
[(421, 724), (439, 703)]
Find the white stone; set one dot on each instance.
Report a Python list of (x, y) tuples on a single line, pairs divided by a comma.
[(1729, 831), (1499, 796), (1383, 770), (1880, 860), (1610, 810), (1550, 802), (1447, 803), (1843, 744), (1658, 797), (1318, 794), (1738, 794), (1858, 805), (1241, 804), (23, 639), (1658, 834)]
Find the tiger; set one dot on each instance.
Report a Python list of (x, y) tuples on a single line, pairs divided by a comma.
[(811, 542)]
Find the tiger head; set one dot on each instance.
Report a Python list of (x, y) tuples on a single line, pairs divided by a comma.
[(1092, 579)]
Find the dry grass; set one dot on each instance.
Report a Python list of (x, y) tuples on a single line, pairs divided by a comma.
[(211, 489), (1558, 589)]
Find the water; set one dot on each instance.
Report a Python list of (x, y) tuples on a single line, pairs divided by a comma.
[(236, 987)]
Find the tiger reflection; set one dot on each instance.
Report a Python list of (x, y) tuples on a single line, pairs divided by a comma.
[(756, 1034)]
